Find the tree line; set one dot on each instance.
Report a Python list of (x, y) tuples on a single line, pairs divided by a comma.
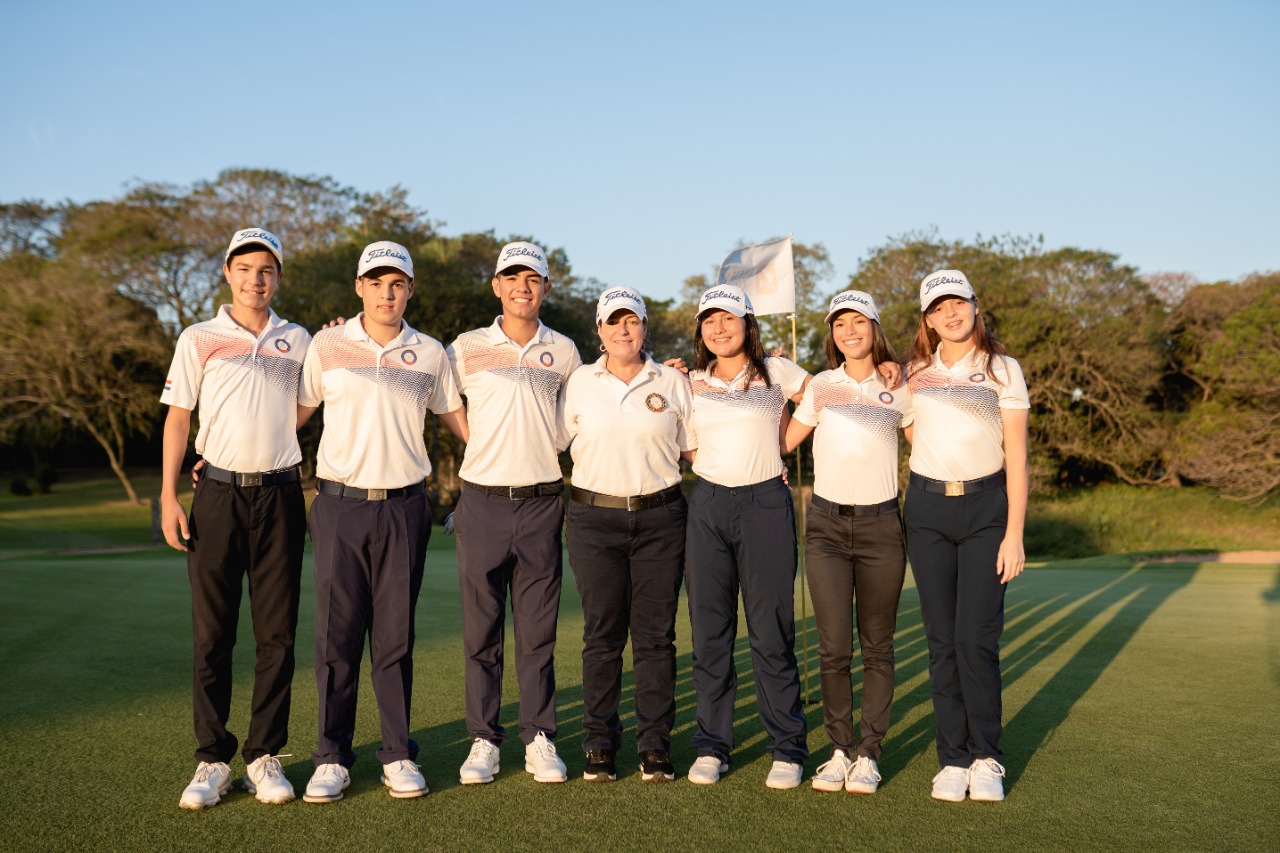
[(1155, 380)]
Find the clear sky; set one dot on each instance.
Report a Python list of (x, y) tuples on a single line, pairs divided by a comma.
[(648, 139)]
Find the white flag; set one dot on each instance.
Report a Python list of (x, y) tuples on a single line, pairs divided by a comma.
[(766, 272)]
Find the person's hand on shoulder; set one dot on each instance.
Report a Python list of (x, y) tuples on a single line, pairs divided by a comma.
[(678, 364), (892, 373), (334, 323)]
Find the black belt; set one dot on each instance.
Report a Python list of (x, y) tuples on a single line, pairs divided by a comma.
[(856, 510), (521, 493), (257, 478), (337, 490), (957, 488), (630, 504)]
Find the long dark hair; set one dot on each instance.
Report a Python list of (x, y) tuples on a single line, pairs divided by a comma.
[(881, 349), (754, 348), (927, 341)]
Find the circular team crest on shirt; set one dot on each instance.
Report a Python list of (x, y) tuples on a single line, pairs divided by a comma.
[(547, 359), (409, 357), (282, 345), (978, 377), (886, 397), (656, 402)]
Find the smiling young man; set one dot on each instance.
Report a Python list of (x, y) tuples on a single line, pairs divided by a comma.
[(509, 515), (370, 521), (241, 370)]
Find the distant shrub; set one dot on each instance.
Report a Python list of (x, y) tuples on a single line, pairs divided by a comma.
[(18, 486), (46, 476)]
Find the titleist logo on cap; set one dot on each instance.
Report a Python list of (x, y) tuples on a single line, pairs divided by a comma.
[(259, 235), (941, 280), (521, 251), (848, 297), (621, 293), (721, 294), (386, 253)]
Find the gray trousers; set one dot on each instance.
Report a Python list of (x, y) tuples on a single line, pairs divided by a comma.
[(855, 561), (507, 546)]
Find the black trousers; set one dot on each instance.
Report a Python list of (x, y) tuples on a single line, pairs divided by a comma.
[(855, 561), (744, 537), (258, 531), (509, 545), (628, 567), (368, 558), (953, 542)]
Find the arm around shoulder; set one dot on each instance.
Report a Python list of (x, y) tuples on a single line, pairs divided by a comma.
[(173, 518)]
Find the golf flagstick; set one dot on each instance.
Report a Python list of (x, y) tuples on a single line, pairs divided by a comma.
[(804, 593)]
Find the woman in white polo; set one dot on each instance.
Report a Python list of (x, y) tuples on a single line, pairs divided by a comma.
[(742, 533), (853, 532), (965, 508), (628, 420)]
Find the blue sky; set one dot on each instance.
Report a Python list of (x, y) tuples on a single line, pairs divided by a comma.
[(650, 139)]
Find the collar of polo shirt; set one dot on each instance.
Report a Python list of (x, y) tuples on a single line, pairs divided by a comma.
[(839, 375), (967, 358), (497, 336), (353, 330), (223, 318), (650, 366)]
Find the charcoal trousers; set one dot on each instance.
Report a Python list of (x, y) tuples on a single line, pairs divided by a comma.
[(855, 561)]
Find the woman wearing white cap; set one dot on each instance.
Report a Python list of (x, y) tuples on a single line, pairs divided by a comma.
[(853, 532), (628, 420), (965, 508), (741, 533)]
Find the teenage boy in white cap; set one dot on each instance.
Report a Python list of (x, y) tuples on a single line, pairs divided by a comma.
[(241, 370), (370, 521), (509, 515)]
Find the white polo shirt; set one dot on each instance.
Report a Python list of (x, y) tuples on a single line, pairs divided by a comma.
[(511, 396), (855, 443), (737, 426), (627, 437), (246, 390), (958, 432), (376, 399)]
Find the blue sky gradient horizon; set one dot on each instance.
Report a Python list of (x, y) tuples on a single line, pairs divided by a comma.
[(648, 141)]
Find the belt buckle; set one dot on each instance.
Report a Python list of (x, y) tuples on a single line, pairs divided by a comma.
[(511, 493), (955, 489), (377, 494), (637, 506), (254, 479)]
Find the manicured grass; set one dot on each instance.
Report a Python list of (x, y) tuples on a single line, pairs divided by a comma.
[(1140, 706)]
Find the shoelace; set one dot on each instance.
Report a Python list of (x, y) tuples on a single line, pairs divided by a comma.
[(837, 760), (204, 771), (329, 770), (865, 768), (991, 766), (271, 764), (481, 749), (545, 749)]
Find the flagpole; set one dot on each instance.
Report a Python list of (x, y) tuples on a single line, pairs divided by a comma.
[(804, 593)]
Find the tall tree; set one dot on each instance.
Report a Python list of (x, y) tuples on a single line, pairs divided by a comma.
[(76, 350)]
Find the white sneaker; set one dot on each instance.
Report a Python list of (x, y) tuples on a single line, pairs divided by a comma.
[(706, 770), (950, 784), (404, 779), (327, 784), (265, 780), (541, 760), (784, 775), (984, 781), (832, 775), (481, 763), (212, 780), (864, 778)]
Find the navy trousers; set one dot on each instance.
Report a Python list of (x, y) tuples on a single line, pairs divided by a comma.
[(368, 561), (258, 531), (509, 546), (628, 567), (744, 537), (953, 543)]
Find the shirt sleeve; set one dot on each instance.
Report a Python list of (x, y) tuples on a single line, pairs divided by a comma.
[(806, 413), (686, 434), (567, 414), (789, 375), (1013, 392), (444, 396), (906, 406), (311, 388), (182, 385), (454, 354)]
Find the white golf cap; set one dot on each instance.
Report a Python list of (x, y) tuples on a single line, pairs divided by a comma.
[(523, 255), (726, 297), (384, 253), (620, 299), (259, 236), (944, 283), (853, 300)]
